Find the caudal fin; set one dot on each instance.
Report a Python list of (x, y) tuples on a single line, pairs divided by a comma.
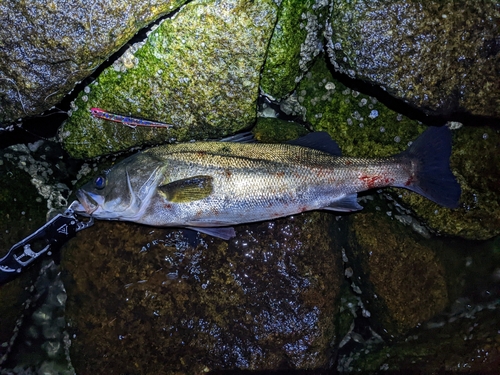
[(434, 180)]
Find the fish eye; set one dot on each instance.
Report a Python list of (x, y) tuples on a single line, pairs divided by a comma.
[(100, 182)]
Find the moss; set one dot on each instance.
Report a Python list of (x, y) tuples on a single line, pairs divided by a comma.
[(403, 272), (294, 44), (198, 71), (258, 301), (274, 130), (361, 125)]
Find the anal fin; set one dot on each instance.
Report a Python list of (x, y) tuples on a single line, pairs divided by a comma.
[(348, 203), (224, 233)]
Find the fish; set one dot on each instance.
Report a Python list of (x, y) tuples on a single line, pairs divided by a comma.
[(212, 186)]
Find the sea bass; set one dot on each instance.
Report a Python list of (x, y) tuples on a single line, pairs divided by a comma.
[(211, 186)]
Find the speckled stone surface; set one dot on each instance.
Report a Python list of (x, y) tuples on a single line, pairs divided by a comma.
[(47, 46), (297, 39), (442, 57), (363, 126), (198, 71), (143, 300)]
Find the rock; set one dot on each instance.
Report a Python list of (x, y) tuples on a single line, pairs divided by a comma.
[(464, 337), (475, 159), (360, 124), (364, 127), (198, 71), (297, 39), (466, 343), (143, 299), (401, 277), (48, 46), (441, 58), (22, 212)]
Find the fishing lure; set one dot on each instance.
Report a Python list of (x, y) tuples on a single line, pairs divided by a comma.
[(131, 122)]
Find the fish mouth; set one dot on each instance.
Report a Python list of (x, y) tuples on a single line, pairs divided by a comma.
[(87, 203)]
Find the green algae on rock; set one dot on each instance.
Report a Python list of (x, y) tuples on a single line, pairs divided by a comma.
[(475, 160), (198, 71), (47, 46), (464, 336), (297, 39), (363, 126), (441, 57), (264, 300), (404, 281), (360, 124), (274, 130)]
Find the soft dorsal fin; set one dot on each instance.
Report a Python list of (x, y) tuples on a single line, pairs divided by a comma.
[(318, 141), (188, 189)]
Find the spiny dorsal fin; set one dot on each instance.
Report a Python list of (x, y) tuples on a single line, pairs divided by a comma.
[(320, 141), (188, 189)]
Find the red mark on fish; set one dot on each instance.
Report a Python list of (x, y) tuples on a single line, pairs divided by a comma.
[(373, 181)]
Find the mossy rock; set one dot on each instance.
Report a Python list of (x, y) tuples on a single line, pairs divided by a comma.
[(403, 279), (198, 71), (274, 130), (264, 300), (297, 39), (364, 127)]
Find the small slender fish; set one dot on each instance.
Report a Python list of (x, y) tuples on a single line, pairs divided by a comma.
[(131, 122), (211, 186)]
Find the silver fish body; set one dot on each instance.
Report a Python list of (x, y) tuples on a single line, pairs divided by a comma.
[(220, 184)]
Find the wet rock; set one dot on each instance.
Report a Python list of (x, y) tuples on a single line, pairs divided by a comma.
[(23, 209), (364, 127), (360, 124), (42, 343), (464, 338), (441, 58), (475, 160), (464, 345), (297, 39), (198, 71), (22, 212), (48, 46), (401, 278), (143, 299)]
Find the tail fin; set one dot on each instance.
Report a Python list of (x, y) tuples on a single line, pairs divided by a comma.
[(434, 179)]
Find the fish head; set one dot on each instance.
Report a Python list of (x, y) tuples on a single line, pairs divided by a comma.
[(122, 192)]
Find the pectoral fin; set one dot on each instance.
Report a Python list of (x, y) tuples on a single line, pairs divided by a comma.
[(348, 203), (188, 189)]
